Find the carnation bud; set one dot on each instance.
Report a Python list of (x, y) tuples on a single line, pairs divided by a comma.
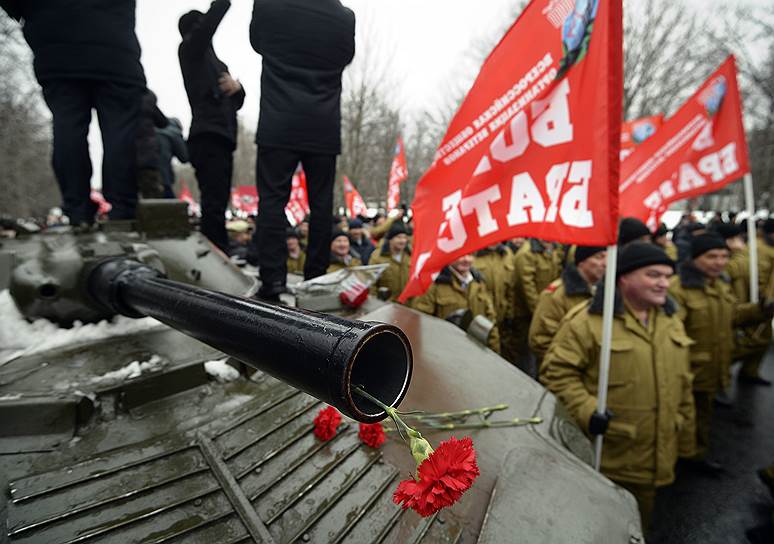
[(420, 448)]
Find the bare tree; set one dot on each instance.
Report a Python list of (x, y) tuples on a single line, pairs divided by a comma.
[(27, 183)]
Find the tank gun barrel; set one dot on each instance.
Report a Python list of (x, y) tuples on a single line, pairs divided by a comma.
[(324, 356)]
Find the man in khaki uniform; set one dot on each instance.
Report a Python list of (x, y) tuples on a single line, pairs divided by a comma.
[(752, 343), (459, 286), (709, 310), (340, 257), (536, 265), (495, 264), (651, 417), (576, 285), (397, 254), (660, 238), (296, 256)]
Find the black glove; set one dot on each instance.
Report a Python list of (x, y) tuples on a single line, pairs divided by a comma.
[(599, 422)]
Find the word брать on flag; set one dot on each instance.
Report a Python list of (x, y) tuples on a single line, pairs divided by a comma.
[(698, 150), (534, 148)]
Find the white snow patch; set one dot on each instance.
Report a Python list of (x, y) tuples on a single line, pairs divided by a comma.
[(221, 370), (20, 338), (131, 371), (10, 397)]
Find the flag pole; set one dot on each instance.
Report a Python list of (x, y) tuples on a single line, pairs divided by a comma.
[(752, 239), (607, 334)]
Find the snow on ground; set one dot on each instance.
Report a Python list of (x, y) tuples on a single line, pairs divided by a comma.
[(133, 370), (19, 337), (221, 370)]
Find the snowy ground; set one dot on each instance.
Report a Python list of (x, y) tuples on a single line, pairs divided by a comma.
[(19, 337)]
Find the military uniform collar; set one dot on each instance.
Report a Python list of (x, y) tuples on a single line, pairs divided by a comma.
[(573, 282)]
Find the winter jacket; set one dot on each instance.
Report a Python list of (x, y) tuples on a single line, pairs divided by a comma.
[(649, 387), (83, 39), (363, 249), (396, 276), (553, 305), (496, 266), (709, 310), (171, 144), (212, 112), (446, 296), (340, 264), (537, 264), (305, 47), (296, 266)]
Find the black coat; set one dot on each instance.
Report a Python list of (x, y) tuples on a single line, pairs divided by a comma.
[(212, 112), (84, 39), (305, 44)]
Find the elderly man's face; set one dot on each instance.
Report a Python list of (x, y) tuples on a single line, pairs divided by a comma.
[(340, 246), (647, 287), (463, 264)]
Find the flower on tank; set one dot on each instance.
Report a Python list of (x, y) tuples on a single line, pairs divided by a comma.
[(326, 423)]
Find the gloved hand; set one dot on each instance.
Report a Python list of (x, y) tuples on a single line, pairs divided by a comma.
[(599, 422)]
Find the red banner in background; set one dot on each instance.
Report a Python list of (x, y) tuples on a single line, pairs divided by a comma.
[(534, 148), (244, 198), (298, 204), (355, 204), (398, 174), (186, 196), (698, 150), (634, 132)]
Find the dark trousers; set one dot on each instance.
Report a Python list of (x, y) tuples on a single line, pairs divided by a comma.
[(212, 157), (118, 111), (275, 170)]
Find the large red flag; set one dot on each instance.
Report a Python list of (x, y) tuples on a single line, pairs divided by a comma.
[(355, 203), (636, 131), (698, 150), (534, 148), (298, 204), (398, 174)]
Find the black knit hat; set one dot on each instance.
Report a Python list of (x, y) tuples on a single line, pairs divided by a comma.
[(693, 227), (639, 255), (292, 233), (631, 229), (584, 252), (703, 243), (727, 230), (337, 233), (399, 227)]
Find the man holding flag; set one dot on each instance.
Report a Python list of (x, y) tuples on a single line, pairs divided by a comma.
[(651, 419)]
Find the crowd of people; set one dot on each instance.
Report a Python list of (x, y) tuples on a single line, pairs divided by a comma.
[(683, 316)]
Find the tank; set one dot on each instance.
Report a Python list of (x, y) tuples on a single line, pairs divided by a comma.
[(188, 417)]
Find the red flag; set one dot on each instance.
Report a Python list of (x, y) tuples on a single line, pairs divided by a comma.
[(244, 198), (103, 206), (534, 148), (355, 204), (186, 196), (398, 174), (298, 204), (634, 132), (698, 150)]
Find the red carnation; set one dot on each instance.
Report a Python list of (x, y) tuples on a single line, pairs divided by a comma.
[(371, 434), (326, 422), (442, 478)]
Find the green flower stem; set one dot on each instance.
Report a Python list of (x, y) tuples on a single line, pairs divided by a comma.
[(392, 412), (517, 422), (457, 415)]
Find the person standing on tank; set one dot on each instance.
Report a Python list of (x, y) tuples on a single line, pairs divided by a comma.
[(305, 45), (87, 57), (215, 97)]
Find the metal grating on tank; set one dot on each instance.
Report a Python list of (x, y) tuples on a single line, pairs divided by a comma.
[(262, 477)]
